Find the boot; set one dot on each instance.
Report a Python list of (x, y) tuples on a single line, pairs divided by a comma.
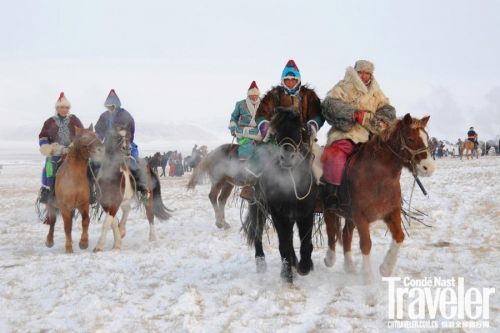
[(247, 192), (330, 196), (44, 194), (140, 182)]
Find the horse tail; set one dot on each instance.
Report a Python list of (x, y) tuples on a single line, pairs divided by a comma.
[(159, 209), (198, 172), (253, 226)]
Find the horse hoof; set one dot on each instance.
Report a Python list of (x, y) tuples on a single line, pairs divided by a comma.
[(385, 271), (97, 249), (305, 267), (117, 247), (69, 250), (226, 226), (349, 268), (49, 244), (83, 245), (286, 273), (329, 258), (261, 265)]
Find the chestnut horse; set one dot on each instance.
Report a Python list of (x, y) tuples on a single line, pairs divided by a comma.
[(375, 192), (72, 189), (469, 150), (117, 190)]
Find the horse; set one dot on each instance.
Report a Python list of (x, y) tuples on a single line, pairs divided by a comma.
[(469, 150), (72, 190), (288, 191), (117, 190), (373, 191), (222, 166)]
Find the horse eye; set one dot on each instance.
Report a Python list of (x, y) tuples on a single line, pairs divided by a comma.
[(411, 140)]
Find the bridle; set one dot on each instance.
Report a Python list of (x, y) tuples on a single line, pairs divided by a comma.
[(296, 148), (413, 153)]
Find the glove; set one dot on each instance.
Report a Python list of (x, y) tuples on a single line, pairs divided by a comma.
[(263, 128), (359, 116), (57, 149), (46, 149), (312, 126)]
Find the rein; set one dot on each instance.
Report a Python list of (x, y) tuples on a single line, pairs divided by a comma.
[(287, 141)]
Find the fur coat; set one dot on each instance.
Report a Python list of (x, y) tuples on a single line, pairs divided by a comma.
[(349, 96)]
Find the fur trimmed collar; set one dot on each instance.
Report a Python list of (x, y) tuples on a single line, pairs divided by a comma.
[(352, 78)]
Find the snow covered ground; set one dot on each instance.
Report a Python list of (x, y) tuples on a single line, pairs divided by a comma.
[(198, 278)]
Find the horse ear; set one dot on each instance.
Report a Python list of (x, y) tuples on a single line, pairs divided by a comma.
[(407, 119), (425, 120), (91, 127)]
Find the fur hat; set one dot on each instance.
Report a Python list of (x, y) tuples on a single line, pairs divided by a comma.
[(253, 90), (364, 66), (291, 71), (62, 101), (113, 100)]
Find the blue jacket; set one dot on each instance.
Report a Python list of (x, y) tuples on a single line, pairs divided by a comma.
[(243, 123)]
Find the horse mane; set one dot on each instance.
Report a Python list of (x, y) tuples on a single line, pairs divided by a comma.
[(394, 131)]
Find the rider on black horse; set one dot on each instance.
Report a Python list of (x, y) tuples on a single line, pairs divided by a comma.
[(116, 116), (290, 93), (56, 135)]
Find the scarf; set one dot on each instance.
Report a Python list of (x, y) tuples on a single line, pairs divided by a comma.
[(252, 107)]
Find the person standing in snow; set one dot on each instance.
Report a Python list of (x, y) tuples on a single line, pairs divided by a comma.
[(116, 116), (355, 107), (242, 125), (55, 136)]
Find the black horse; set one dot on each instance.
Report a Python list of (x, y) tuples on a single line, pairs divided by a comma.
[(288, 191)]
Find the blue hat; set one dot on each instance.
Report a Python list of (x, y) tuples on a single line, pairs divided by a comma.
[(290, 71), (113, 100)]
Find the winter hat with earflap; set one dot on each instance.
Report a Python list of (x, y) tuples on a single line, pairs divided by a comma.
[(62, 101), (291, 71), (113, 99), (253, 89), (364, 66)]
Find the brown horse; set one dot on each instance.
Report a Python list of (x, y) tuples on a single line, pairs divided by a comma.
[(116, 189), (223, 167), (469, 150), (72, 188), (375, 191)]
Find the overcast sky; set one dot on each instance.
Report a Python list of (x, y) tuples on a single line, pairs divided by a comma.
[(190, 61)]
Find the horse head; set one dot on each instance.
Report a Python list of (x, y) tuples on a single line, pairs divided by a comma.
[(118, 141), (411, 144), (86, 141), (291, 135)]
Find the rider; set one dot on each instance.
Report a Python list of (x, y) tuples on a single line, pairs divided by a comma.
[(289, 93), (56, 135), (243, 125), (355, 107), (116, 116), (472, 136)]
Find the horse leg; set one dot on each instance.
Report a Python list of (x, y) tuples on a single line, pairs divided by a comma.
[(393, 221), (117, 244), (51, 216), (260, 258), (84, 240), (224, 194), (151, 219), (365, 243), (105, 227), (213, 196), (285, 237), (67, 216), (305, 226), (347, 233), (122, 226), (332, 223)]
